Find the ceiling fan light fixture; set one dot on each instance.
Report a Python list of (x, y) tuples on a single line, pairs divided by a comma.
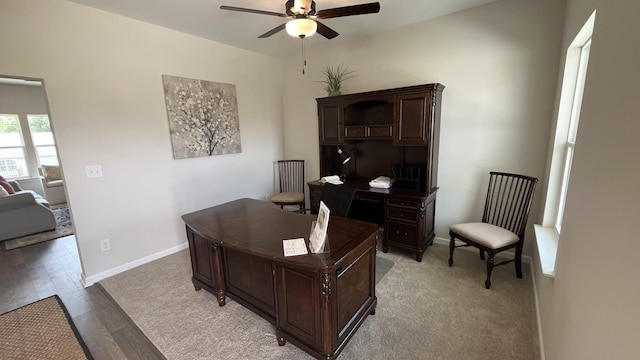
[(301, 27)]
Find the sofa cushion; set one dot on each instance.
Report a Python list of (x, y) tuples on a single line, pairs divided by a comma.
[(22, 214), (3, 192), (55, 183), (39, 199), (51, 172), (6, 186)]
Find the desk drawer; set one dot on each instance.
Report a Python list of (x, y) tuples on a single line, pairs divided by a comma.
[(404, 202), (379, 131), (403, 233), (354, 132), (368, 196), (399, 213)]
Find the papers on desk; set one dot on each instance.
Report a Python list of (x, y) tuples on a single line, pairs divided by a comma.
[(293, 247), (318, 235), (317, 238), (333, 179), (381, 182)]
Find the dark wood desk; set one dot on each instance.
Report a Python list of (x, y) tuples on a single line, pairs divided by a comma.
[(408, 216), (316, 301)]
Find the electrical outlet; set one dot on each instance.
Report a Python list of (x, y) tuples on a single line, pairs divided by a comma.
[(105, 245), (93, 171)]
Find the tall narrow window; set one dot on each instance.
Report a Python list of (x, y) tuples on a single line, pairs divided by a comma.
[(564, 145), (12, 153), (43, 140), (574, 117)]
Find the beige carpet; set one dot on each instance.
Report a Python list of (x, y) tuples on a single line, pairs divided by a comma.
[(40, 330), (425, 310)]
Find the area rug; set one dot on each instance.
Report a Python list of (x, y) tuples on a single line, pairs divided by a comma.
[(63, 228), (41, 330), (382, 267)]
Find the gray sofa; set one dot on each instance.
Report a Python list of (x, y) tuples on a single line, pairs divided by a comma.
[(24, 213)]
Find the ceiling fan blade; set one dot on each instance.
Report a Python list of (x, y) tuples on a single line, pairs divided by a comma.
[(272, 31), (253, 11), (370, 8), (326, 31)]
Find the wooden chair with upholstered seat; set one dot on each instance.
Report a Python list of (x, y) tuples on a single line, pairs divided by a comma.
[(291, 175), (503, 223)]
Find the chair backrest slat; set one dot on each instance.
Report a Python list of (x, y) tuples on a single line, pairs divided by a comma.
[(291, 175), (509, 199)]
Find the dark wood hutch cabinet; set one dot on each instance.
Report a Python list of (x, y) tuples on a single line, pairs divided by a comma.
[(395, 133)]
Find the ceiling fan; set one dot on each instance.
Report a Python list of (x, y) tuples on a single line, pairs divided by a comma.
[(303, 17)]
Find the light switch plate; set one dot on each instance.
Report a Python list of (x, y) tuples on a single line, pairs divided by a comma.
[(94, 171)]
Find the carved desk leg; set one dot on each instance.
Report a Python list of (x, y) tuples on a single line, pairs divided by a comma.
[(218, 274), (220, 296)]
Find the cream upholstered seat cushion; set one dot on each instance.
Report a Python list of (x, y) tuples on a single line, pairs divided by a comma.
[(489, 235), (288, 197)]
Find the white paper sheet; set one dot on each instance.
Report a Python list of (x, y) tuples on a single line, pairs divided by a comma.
[(293, 247)]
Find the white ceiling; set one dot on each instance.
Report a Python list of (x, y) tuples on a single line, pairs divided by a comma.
[(204, 18)]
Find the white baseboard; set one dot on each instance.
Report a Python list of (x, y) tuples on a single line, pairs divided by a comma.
[(88, 281)]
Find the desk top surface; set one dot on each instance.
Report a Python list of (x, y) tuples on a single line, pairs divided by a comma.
[(258, 227), (362, 185)]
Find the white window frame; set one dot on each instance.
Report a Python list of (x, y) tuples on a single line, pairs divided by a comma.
[(574, 78), (35, 147), (22, 147)]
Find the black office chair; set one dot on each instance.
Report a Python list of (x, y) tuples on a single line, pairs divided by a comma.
[(338, 198), (503, 223)]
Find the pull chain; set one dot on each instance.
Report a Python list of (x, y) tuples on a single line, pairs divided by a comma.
[(304, 56)]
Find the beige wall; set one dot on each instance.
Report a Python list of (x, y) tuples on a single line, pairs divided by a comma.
[(102, 74), (499, 64), (590, 310)]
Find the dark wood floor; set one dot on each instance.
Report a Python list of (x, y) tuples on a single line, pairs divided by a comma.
[(35, 272)]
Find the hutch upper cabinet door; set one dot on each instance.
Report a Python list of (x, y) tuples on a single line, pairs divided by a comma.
[(411, 126), (331, 126)]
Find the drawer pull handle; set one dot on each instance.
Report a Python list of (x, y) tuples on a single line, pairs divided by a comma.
[(405, 234)]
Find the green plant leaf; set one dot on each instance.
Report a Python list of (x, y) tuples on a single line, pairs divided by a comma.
[(334, 76)]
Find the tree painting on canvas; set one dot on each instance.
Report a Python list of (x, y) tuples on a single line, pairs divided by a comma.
[(203, 117)]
